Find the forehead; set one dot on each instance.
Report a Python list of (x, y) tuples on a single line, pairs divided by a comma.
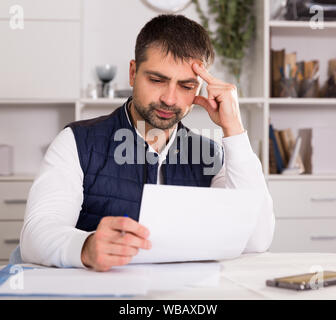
[(159, 60)]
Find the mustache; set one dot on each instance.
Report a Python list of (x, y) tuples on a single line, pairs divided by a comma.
[(165, 107)]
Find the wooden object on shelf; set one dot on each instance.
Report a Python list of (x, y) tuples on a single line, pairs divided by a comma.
[(332, 68), (300, 70), (278, 159), (272, 160), (285, 144), (291, 139), (306, 148), (294, 79), (277, 63), (281, 149), (329, 89), (309, 86), (290, 63), (295, 153)]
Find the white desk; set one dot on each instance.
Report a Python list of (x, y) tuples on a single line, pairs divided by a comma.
[(244, 278)]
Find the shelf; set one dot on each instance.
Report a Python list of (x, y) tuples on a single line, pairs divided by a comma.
[(114, 101), (18, 177), (301, 177), (247, 100), (253, 100), (99, 101), (103, 101), (299, 24), (37, 101), (303, 101)]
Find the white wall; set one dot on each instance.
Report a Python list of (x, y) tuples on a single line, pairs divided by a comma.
[(110, 29), (56, 59), (41, 60)]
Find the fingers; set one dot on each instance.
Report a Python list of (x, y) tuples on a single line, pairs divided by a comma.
[(120, 250), (213, 82), (204, 74), (222, 92), (133, 241), (218, 91), (113, 236), (216, 94), (111, 230), (208, 104), (115, 242), (126, 225)]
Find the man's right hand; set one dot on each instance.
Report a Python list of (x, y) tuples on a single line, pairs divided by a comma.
[(109, 247)]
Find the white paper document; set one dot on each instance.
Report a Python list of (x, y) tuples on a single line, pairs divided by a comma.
[(72, 282), (195, 224), (124, 281), (178, 276)]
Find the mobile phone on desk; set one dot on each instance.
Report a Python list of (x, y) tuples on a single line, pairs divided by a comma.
[(305, 281)]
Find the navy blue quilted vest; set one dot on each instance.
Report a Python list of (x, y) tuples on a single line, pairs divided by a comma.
[(116, 164)]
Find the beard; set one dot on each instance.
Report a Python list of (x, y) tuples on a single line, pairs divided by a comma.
[(150, 115)]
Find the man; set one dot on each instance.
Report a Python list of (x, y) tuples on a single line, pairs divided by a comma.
[(91, 177)]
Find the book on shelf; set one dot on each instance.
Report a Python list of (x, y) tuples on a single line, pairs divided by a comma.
[(284, 151), (272, 160), (308, 152), (290, 66), (329, 88), (281, 148), (292, 78), (279, 162), (306, 148), (295, 153), (277, 62), (288, 142)]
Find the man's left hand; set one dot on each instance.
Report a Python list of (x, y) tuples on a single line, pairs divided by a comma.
[(221, 104)]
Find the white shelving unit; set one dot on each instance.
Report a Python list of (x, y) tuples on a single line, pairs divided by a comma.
[(299, 24), (305, 205), (303, 101), (303, 177), (31, 120)]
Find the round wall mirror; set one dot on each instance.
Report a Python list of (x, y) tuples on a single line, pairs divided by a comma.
[(168, 6)]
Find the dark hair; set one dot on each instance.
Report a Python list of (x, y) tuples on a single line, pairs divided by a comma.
[(177, 35)]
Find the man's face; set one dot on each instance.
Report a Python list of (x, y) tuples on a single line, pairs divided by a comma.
[(163, 88)]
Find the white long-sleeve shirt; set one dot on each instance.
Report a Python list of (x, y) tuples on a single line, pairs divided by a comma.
[(49, 235)]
